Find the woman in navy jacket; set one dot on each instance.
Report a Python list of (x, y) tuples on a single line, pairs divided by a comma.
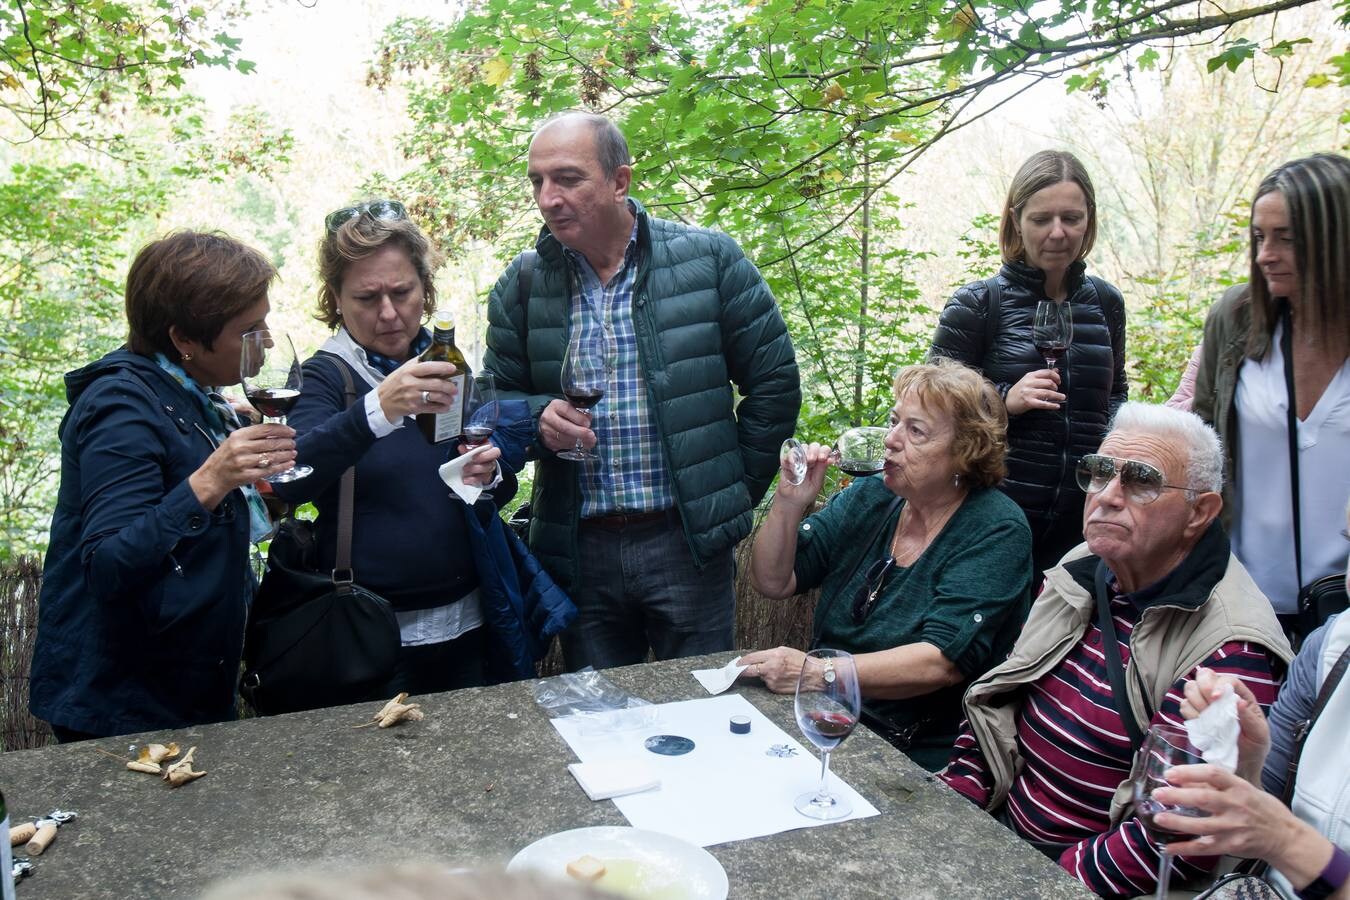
[(147, 580), (410, 537)]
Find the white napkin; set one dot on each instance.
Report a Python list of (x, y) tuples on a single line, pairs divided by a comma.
[(452, 473), (1215, 731), (718, 680), (613, 778)]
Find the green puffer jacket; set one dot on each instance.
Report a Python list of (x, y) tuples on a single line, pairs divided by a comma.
[(705, 320)]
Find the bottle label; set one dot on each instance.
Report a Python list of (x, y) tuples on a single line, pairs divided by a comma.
[(451, 424)]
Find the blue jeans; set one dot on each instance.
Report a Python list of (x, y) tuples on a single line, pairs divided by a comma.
[(639, 589)]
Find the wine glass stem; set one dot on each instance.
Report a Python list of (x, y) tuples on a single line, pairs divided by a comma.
[(1049, 362), (823, 795), (1164, 870)]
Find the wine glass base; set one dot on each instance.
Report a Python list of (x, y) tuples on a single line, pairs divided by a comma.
[(295, 473), (810, 805), (577, 455)]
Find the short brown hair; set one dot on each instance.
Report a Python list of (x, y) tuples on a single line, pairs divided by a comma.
[(1040, 171), (193, 281), (980, 444), (365, 236)]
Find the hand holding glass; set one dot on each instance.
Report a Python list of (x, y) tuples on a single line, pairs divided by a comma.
[(583, 383), (827, 706), (481, 411), (270, 373), (859, 451), (1164, 746)]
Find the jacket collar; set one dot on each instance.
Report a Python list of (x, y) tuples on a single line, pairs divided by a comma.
[(1187, 586), (551, 249), (1033, 279)]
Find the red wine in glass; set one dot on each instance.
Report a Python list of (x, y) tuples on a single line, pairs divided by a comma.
[(583, 380), (275, 403), (861, 468), (270, 374), (827, 730), (583, 399), (1052, 331), (827, 705)]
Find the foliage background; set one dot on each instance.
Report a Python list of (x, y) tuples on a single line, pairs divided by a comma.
[(855, 150)]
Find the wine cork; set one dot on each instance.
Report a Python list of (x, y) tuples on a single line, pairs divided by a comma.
[(21, 834), (45, 835)]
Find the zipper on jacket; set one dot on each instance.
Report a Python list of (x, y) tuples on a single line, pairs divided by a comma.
[(177, 569)]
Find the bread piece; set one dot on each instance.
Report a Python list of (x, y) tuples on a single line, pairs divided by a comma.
[(586, 868)]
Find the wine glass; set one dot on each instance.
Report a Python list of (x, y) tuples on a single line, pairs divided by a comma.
[(1052, 331), (1165, 746), (481, 411), (859, 452), (583, 382), (270, 373), (827, 708)]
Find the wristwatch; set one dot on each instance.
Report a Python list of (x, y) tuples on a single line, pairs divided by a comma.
[(828, 673), (1336, 873)]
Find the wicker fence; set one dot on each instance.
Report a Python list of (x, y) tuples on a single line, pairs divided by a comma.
[(760, 624)]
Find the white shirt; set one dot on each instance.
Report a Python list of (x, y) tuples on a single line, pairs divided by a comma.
[(1263, 531)]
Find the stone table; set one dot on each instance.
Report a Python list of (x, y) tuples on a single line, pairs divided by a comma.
[(483, 776)]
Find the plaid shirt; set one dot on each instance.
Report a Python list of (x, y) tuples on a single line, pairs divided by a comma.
[(631, 474)]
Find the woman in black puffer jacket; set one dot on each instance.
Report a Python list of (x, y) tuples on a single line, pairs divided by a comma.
[(1054, 415)]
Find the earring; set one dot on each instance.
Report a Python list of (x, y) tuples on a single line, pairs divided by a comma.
[(956, 481), (187, 357)]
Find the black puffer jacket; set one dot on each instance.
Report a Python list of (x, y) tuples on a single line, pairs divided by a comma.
[(1044, 445)]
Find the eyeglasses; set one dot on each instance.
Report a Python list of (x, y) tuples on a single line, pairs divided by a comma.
[(386, 210), (1141, 482), (871, 587)]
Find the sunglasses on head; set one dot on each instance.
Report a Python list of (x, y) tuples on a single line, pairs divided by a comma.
[(871, 588), (387, 210), (1141, 482)]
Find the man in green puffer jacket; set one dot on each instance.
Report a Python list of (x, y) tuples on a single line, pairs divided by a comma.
[(642, 536)]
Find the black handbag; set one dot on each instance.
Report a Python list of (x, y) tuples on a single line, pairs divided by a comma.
[(1323, 598), (317, 639)]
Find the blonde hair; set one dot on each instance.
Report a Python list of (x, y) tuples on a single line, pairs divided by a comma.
[(364, 236), (980, 444), (1040, 171)]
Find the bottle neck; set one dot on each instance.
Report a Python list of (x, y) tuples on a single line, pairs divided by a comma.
[(443, 335)]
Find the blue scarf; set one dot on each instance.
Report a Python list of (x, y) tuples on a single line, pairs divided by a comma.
[(221, 420), (386, 365)]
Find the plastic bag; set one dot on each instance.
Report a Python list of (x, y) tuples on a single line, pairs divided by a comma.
[(603, 706)]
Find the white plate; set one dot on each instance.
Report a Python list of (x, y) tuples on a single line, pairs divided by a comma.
[(666, 867)]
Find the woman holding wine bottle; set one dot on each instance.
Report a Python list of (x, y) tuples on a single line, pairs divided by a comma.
[(925, 571), (409, 540), (1060, 390), (412, 540), (147, 580)]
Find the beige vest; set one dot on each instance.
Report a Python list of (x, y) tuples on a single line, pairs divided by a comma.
[(1165, 644)]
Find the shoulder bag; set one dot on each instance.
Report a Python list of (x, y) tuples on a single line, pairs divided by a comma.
[(317, 639), (1326, 596)]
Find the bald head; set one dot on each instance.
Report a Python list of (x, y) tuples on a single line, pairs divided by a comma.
[(607, 143)]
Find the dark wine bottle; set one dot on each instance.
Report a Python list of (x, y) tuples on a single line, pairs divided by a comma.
[(438, 428)]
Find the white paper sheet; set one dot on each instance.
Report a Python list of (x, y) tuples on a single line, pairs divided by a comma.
[(727, 788), (718, 680)]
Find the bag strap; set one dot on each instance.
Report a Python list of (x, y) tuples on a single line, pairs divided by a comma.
[(820, 620), (993, 312), (1287, 349), (1115, 668), (343, 576), (1301, 732)]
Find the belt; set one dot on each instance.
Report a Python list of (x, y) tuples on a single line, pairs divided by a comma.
[(620, 521)]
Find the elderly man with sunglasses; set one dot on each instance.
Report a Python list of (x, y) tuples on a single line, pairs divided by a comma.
[(1122, 622)]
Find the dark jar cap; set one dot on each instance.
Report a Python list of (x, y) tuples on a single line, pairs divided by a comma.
[(740, 724)]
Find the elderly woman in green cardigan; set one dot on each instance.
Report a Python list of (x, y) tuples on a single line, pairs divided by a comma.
[(925, 569)]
